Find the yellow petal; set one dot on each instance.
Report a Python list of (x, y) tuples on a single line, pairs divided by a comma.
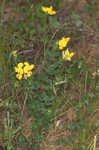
[(68, 58), (51, 11), (31, 67), (20, 71), (29, 74), (26, 63), (63, 42), (72, 54), (26, 69), (14, 52), (19, 76), (45, 9), (16, 69), (67, 40), (67, 52), (49, 8), (20, 65), (67, 55)]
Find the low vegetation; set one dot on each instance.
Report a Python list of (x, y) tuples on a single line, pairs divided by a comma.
[(49, 75)]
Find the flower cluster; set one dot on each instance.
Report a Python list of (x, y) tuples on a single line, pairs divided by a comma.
[(23, 70), (66, 55), (48, 10)]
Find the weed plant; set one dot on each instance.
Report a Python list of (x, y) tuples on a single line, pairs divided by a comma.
[(59, 82)]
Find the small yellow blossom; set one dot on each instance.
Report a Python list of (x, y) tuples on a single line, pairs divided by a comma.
[(31, 67), (16, 69), (67, 55), (26, 63), (26, 69), (20, 65), (48, 10), (63, 42), (45, 9), (14, 52), (29, 73), (19, 76), (20, 71)]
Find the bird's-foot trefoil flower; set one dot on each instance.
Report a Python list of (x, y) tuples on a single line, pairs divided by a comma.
[(14, 52), (48, 10), (63, 42), (66, 55), (23, 70)]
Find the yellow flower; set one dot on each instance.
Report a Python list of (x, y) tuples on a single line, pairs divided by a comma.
[(63, 42), (26, 63), (67, 55), (48, 10), (28, 74), (20, 65), (23, 70), (14, 52), (45, 9), (26, 69), (16, 69), (19, 76), (31, 67), (20, 71), (51, 11)]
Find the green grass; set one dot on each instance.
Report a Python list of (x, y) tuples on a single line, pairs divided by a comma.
[(61, 96)]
